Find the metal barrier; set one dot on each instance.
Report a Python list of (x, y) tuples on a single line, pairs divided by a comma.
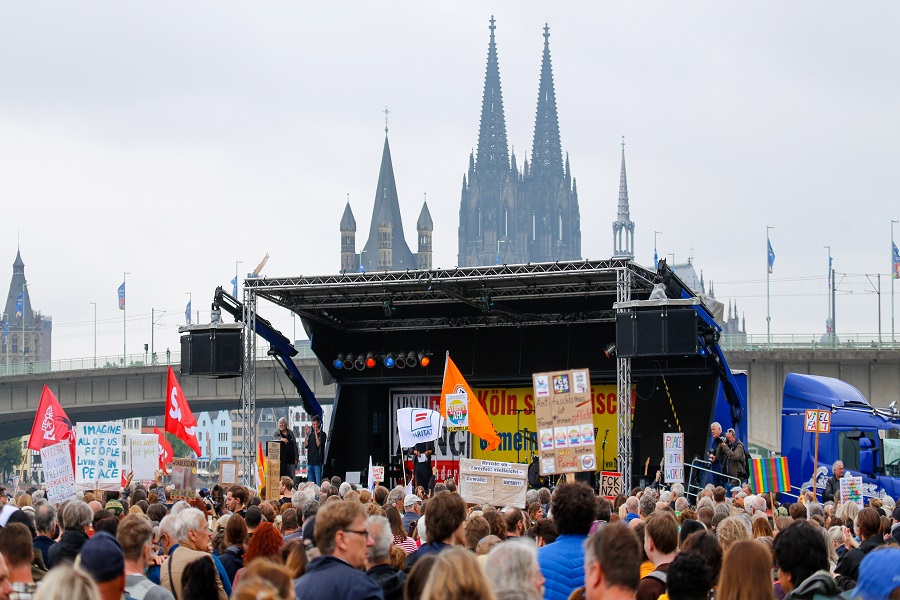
[(696, 470)]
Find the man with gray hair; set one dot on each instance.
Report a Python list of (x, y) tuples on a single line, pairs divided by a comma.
[(44, 525), (833, 485), (192, 533), (378, 563), (648, 506), (77, 518), (513, 570)]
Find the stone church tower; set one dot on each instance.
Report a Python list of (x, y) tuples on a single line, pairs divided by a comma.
[(26, 332), (508, 217)]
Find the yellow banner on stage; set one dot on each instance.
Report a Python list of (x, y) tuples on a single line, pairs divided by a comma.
[(512, 412)]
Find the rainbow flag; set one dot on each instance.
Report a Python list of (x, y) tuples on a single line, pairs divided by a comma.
[(260, 467), (769, 475)]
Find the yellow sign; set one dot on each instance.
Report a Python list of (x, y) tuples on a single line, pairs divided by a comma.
[(512, 413)]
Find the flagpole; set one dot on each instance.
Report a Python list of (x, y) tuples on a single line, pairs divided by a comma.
[(893, 271), (768, 288), (124, 320)]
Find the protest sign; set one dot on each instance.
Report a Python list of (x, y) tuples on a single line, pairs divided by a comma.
[(273, 470), (59, 478), (610, 484), (228, 472), (491, 482), (565, 422), (98, 456), (144, 456), (457, 412), (184, 479), (377, 474), (851, 489), (673, 457)]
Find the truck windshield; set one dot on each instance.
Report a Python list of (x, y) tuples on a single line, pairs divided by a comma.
[(891, 457), (849, 447)]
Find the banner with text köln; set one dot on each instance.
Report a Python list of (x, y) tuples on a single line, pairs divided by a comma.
[(565, 422)]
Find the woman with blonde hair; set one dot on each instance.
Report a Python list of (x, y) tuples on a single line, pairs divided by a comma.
[(761, 527), (24, 500), (67, 583), (746, 573), (457, 576), (732, 530)]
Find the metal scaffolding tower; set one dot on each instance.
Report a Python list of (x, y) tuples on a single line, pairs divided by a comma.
[(248, 392), (623, 387)]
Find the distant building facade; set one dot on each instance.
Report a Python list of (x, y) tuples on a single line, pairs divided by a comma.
[(26, 335), (510, 216)]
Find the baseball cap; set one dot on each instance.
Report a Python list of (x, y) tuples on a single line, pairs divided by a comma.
[(411, 499), (115, 506), (102, 557), (879, 575)]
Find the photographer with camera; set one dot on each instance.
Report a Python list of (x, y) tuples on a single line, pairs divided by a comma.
[(735, 455)]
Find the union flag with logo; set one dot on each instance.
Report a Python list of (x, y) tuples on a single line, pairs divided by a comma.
[(180, 421)]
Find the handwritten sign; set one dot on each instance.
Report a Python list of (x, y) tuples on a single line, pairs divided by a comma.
[(228, 472), (98, 456), (184, 479), (491, 482), (817, 420), (851, 489), (610, 484), (565, 422), (58, 474), (377, 474), (673, 457), (144, 456)]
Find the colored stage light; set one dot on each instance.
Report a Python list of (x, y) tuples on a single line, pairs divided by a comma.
[(411, 359), (401, 360), (348, 361), (370, 360), (360, 362), (339, 362), (389, 361), (424, 359), (610, 350)]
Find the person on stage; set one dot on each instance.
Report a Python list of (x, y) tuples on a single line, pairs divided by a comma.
[(315, 450), (288, 448), (422, 462)]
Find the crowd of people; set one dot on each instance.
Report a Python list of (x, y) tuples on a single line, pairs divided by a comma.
[(336, 540)]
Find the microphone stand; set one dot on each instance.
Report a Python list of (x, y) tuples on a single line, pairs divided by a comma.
[(604, 450)]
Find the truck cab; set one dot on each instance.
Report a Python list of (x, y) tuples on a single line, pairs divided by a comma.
[(864, 438)]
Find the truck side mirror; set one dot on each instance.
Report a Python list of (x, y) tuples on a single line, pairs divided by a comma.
[(867, 462)]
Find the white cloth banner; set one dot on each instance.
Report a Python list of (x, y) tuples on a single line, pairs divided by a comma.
[(59, 478), (419, 425), (144, 456)]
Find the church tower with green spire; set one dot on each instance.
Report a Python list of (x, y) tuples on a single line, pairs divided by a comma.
[(26, 332)]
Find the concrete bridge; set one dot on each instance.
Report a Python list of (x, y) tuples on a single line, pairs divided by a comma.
[(116, 393)]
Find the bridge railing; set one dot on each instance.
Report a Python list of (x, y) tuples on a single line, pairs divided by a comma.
[(110, 362), (810, 341)]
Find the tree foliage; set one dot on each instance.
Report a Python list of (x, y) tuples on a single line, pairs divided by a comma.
[(179, 448), (10, 457)]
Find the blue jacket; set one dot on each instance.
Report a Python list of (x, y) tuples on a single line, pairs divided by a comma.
[(562, 565), (153, 571), (328, 578)]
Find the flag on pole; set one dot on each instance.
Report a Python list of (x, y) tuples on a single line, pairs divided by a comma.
[(479, 422), (5, 330), (370, 484), (260, 467), (655, 259), (164, 448), (771, 255), (896, 261), (180, 421), (122, 296), (51, 425), (20, 304), (419, 425), (187, 313), (769, 475), (234, 286)]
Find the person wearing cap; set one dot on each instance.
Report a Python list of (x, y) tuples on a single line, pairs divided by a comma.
[(411, 506), (102, 558), (116, 508), (879, 576)]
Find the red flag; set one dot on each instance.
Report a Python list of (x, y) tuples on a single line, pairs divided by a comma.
[(51, 425), (180, 421), (164, 448)]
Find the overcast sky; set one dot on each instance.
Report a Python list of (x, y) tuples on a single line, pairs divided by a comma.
[(172, 139)]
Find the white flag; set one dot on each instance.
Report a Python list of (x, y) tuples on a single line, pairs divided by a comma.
[(419, 425), (370, 484)]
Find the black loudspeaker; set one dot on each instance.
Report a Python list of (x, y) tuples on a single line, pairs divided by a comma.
[(657, 332), (213, 351)]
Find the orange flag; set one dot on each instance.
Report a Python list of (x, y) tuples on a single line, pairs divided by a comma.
[(479, 422)]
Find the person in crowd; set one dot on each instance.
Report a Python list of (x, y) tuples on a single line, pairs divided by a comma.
[(287, 451), (445, 518), (632, 509), (895, 526), (714, 453), (833, 485), (869, 524), (286, 489), (265, 543), (422, 453), (101, 557), (497, 523), (515, 522), (190, 529), (236, 500), (545, 532), (732, 530), (199, 580), (16, 548), (290, 526), (418, 577), (77, 518), (235, 539), (378, 565), (660, 544), (343, 540), (456, 576), (253, 518), (45, 526), (879, 576), (218, 536), (802, 560), (735, 456), (275, 574), (746, 573), (61, 583), (688, 577), (293, 554), (562, 562), (761, 527), (477, 529), (400, 538), (135, 536), (513, 571), (315, 450), (612, 559), (412, 505)]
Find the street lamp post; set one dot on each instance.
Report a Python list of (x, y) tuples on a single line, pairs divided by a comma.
[(24, 285), (893, 277), (768, 287), (124, 320), (95, 334)]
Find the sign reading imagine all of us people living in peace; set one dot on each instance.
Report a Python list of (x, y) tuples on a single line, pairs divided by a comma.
[(565, 422), (59, 479), (98, 455), (492, 482)]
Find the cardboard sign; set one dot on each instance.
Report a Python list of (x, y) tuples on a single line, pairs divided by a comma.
[(817, 420), (673, 457), (851, 489), (98, 456), (610, 484), (144, 456), (491, 482), (184, 479), (565, 422), (59, 478), (228, 472), (457, 412), (377, 474), (273, 470)]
